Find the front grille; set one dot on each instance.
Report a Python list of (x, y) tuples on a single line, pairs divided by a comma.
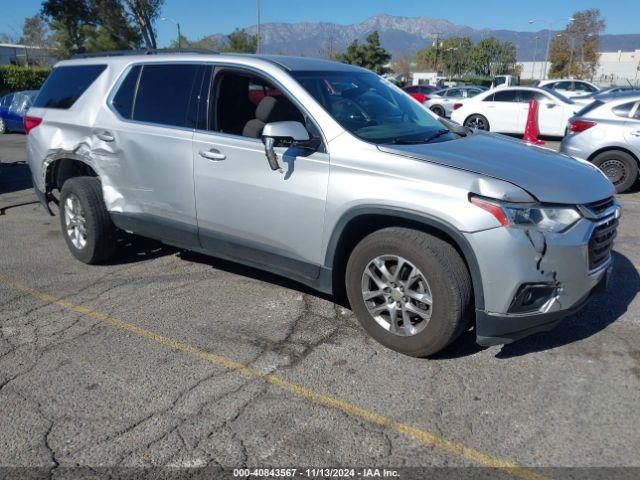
[(600, 206), (601, 243)]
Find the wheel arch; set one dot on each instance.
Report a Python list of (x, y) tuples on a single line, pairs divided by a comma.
[(618, 148), (59, 168), (359, 222)]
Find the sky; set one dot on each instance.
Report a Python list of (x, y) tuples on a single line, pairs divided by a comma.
[(202, 17)]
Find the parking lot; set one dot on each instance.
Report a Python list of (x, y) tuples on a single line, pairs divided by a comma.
[(169, 358)]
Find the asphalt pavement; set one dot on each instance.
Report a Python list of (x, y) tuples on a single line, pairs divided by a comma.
[(165, 358)]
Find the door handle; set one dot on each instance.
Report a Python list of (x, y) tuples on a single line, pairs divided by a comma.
[(105, 136), (212, 154), (636, 133)]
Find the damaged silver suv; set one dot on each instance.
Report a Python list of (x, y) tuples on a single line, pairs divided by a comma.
[(326, 174)]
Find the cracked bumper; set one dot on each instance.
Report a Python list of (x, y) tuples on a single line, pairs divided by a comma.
[(496, 329), (509, 258)]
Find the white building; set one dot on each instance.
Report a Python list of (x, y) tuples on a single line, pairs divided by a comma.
[(619, 68), (14, 54)]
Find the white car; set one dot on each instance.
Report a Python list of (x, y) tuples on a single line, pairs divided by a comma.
[(505, 110), (569, 88)]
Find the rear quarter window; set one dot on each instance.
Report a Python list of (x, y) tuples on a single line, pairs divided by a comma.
[(65, 85), (624, 110)]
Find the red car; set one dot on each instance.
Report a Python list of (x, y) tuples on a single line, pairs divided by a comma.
[(420, 92)]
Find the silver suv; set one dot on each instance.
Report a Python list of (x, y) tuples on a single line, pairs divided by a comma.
[(327, 174)]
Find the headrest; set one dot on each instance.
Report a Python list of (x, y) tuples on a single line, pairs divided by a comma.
[(265, 108)]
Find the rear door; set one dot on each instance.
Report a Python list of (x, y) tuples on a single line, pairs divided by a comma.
[(551, 114), (149, 145), (246, 211), (503, 111)]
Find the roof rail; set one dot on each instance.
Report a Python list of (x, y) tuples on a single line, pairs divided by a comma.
[(144, 51)]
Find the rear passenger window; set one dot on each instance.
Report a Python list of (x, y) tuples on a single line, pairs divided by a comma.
[(166, 94), (65, 85), (123, 100), (505, 96)]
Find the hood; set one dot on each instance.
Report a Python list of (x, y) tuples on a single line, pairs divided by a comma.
[(548, 176)]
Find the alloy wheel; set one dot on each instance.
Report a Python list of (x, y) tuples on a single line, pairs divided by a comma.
[(397, 295), (75, 222), (477, 123)]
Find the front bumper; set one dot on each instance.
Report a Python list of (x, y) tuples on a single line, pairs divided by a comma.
[(496, 329), (510, 260)]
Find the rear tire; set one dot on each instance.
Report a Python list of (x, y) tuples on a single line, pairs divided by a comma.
[(86, 225), (619, 167), (438, 110), (477, 121), (445, 284)]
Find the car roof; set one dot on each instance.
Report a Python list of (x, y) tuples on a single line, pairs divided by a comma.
[(289, 63)]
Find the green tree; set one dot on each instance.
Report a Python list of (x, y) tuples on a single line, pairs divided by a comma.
[(455, 55), (574, 52), (428, 58), (206, 43), (35, 31), (239, 41), (71, 22), (370, 55), (145, 14), (115, 26), (491, 57)]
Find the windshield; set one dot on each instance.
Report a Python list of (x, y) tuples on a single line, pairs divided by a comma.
[(373, 109)]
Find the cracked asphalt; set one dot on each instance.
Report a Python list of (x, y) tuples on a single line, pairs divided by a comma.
[(76, 390)]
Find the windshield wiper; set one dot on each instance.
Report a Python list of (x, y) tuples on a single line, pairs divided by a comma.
[(439, 133)]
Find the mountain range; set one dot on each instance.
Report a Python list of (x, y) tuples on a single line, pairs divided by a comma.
[(403, 35)]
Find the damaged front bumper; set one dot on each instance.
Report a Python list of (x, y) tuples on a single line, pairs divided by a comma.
[(532, 280)]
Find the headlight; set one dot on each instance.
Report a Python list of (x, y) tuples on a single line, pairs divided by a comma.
[(546, 219), (539, 217)]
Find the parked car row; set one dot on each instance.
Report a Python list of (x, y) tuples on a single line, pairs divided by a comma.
[(13, 108)]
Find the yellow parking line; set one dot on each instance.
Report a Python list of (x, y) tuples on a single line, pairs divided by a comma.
[(423, 436)]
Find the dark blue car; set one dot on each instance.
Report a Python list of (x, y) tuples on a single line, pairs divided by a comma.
[(13, 107)]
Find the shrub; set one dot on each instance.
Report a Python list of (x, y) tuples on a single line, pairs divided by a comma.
[(15, 78)]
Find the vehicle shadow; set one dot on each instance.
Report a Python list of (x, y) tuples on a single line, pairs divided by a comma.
[(132, 249), (256, 274), (14, 176)]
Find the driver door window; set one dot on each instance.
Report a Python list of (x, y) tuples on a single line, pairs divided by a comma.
[(246, 103), (246, 211)]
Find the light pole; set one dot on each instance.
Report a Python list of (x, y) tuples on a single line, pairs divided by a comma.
[(549, 28), (258, 26), (535, 57), (178, 26)]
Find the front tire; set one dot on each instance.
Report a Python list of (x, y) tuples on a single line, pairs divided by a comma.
[(619, 167), (86, 224), (410, 291), (477, 121)]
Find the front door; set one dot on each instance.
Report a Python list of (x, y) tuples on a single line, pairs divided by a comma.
[(246, 211)]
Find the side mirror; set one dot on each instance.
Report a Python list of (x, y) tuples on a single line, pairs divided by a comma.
[(280, 134)]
